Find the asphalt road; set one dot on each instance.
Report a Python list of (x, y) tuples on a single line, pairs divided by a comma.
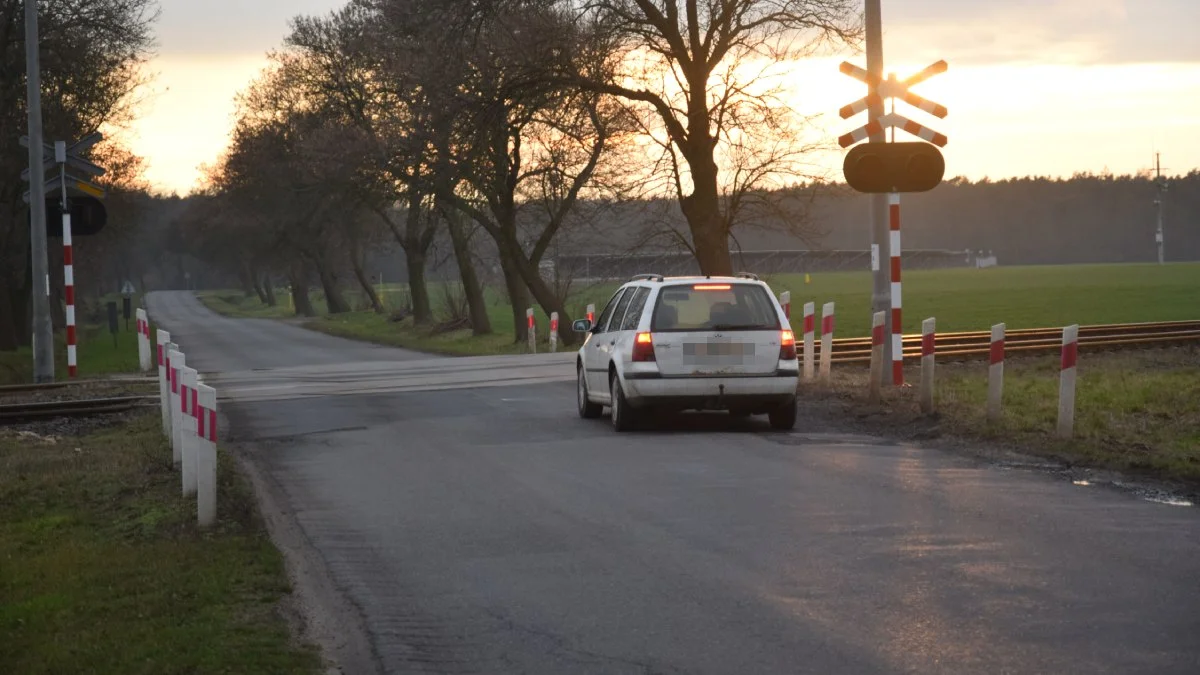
[(488, 529)]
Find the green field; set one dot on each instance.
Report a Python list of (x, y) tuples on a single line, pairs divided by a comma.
[(99, 352), (105, 571), (960, 299)]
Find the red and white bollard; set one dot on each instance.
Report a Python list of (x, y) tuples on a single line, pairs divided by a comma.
[(897, 324), (143, 343), (187, 415), (996, 374), (928, 354), (785, 299), (69, 292), (163, 338), (878, 334), (554, 331), (206, 456), (176, 365), (532, 330), (810, 325), (591, 314), (827, 326), (1066, 382)]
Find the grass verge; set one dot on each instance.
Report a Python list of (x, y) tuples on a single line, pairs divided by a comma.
[(99, 352), (105, 571), (1136, 412)]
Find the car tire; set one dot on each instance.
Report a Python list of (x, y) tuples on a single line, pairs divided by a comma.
[(783, 418), (587, 409), (624, 417)]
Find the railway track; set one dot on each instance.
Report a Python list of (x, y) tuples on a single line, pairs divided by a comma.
[(29, 411), (1031, 341)]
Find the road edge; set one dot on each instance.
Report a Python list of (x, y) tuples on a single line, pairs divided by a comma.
[(318, 611)]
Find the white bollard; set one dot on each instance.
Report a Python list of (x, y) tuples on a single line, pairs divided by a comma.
[(532, 330), (143, 344), (878, 325), (827, 326), (1066, 382), (785, 299), (928, 354), (188, 395), (810, 356), (206, 456), (591, 314), (996, 374), (163, 338), (554, 331), (178, 363)]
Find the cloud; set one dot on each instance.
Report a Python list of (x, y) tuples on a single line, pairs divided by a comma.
[(229, 27)]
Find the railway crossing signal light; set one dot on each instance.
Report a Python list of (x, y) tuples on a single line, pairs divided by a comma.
[(88, 217), (894, 167)]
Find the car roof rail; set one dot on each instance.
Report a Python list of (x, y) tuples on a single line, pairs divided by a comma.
[(747, 275), (647, 277)]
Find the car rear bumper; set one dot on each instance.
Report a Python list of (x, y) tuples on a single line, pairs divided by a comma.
[(710, 393)]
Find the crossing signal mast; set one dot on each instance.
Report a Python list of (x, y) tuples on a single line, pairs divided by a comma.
[(1161, 184)]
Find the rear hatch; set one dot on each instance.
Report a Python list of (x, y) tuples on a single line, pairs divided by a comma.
[(715, 329)]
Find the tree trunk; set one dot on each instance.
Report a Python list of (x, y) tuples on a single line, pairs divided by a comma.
[(334, 302), (256, 279), (418, 287), (365, 283), (298, 277), (542, 292), (245, 276), (268, 287), (702, 208), (518, 296), (8, 325), (481, 323)]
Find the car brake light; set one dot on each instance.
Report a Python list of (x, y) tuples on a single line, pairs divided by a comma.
[(787, 345), (643, 347), (711, 287)]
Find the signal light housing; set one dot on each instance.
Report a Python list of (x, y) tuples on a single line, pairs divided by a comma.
[(877, 168), (787, 345), (643, 348)]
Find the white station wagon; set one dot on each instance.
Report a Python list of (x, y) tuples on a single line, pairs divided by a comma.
[(689, 343)]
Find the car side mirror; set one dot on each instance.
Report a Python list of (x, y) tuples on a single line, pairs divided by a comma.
[(582, 326)]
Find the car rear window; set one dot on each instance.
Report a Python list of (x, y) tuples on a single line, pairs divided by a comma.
[(714, 306)]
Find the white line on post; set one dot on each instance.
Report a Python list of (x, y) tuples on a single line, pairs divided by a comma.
[(996, 374), (206, 456), (928, 354), (187, 413), (878, 329), (554, 331), (827, 326), (810, 356), (1066, 382), (532, 330), (163, 338)]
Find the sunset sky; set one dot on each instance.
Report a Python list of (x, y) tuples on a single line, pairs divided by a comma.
[(1047, 87)]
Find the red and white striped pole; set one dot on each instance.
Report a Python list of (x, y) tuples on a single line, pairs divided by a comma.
[(206, 456), (827, 325), (591, 314), (1066, 382), (164, 384), (996, 374), (554, 331), (928, 354), (810, 324), (69, 291), (532, 330), (897, 325)]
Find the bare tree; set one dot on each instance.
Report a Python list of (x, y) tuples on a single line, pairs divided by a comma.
[(698, 76)]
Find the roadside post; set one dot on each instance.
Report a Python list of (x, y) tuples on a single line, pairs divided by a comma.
[(554, 331), (206, 456), (928, 354), (163, 338), (1066, 382), (785, 299), (878, 326), (143, 332), (177, 363), (591, 314), (810, 321), (827, 326), (187, 414), (996, 374), (532, 330)]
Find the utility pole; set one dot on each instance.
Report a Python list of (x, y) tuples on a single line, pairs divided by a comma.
[(1158, 202), (881, 296), (43, 330)]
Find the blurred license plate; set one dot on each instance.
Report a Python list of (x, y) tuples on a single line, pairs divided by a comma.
[(717, 352)]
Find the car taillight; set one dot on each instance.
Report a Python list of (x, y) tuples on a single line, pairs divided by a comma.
[(787, 345), (643, 347)]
